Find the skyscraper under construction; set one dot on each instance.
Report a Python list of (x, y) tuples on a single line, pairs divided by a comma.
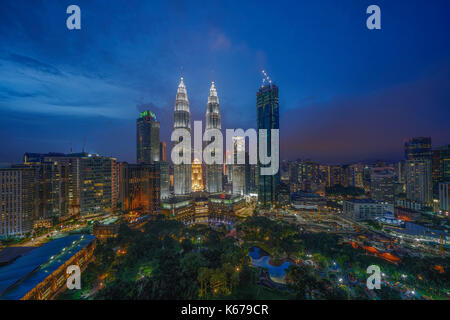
[(267, 109)]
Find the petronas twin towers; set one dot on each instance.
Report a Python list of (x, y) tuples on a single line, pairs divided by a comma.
[(213, 171), (182, 119)]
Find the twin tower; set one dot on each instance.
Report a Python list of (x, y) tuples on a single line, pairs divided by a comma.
[(182, 119)]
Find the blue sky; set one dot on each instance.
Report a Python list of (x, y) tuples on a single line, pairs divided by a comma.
[(346, 93)]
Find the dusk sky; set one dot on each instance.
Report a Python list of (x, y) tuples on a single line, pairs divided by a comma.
[(346, 93)]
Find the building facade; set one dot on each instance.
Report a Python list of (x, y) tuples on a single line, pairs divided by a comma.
[(180, 208), (182, 120), (96, 184), (223, 207), (418, 181), (418, 148), (17, 190), (147, 138), (238, 174), (444, 200), (213, 121), (140, 188), (197, 176), (382, 181), (267, 110), (365, 209)]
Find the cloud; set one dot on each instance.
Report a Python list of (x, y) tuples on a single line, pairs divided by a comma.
[(33, 64), (30, 85), (218, 41), (370, 126)]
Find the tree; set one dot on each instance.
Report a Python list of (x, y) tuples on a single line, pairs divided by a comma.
[(300, 279), (191, 263)]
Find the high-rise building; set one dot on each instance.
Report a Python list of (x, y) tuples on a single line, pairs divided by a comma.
[(335, 174), (441, 166), (308, 175), (356, 174), (418, 170), (91, 181), (444, 193), (182, 120), (162, 151), (165, 179), (140, 187), (382, 184), (238, 181), (267, 110), (418, 148), (401, 171), (147, 138), (164, 172), (250, 176), (213, 171), (418, 181), (52, 187), (96, 184), (17, 190)]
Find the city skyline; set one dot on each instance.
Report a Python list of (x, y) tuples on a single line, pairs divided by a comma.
[(227, 155), (325, 97)]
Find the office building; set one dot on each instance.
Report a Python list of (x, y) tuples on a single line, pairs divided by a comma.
[(418, 148), (444, 200), (418, 181), (267, 109), (238, 174), (382, 184), (17, 190), (365, 209), (147, 138)]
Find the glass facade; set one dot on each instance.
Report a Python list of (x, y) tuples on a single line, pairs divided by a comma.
[(268, 118)]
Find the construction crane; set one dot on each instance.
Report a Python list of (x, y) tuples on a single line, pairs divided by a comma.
[(265, 78)]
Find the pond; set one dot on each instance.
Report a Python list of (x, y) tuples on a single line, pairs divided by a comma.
[(261, 259)]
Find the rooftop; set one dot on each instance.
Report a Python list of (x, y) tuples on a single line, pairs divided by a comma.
[(18, 278)]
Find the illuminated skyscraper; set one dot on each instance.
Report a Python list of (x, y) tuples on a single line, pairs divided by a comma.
[(147, 138), (418, 181), (238, 169), (267, 109), (382, 184), (418, 170), (213, 171), (182, 120), (164, 172), (16, 201)]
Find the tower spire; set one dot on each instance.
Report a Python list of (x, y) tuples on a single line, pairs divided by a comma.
[(182, 120)]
